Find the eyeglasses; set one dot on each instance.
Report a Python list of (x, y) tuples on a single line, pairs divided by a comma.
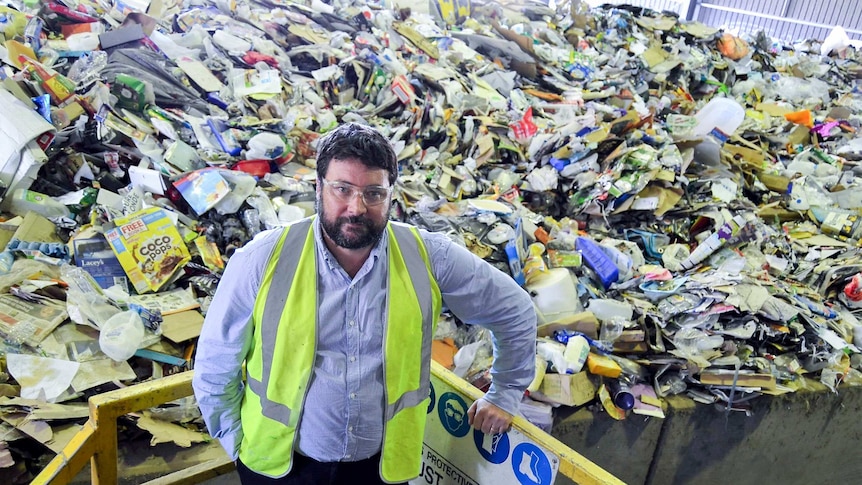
[(371, 195)]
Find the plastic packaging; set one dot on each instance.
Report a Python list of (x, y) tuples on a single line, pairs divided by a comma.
[(692, 341), (241, 186), (805, 192), (266, 145), (720, 117), (84, 41), (121, 334), (552, 352), (23, 201), (851, 296), (85, 301), (848, 198)]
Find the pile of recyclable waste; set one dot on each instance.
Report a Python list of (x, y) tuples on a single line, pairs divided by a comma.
[(681, 203)]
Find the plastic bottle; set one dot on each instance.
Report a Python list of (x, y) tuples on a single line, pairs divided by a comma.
[(24, 201), (607, 308), (555, 295), (577, 350), (120, 335), (720, 117), (534, 265), (714, 241), (612, 329), (598, 261), (621, 394)]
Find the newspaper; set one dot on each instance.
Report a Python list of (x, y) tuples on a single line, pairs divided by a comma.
[(167, 302), (30, 322)]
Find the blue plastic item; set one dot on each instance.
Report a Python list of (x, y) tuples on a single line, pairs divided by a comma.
[(222, 134), (598, 261)]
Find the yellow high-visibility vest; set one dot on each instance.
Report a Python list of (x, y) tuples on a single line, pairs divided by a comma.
[(280, 362)]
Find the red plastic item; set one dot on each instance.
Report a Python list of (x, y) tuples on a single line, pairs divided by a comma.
[(257, 168), (251, 58), (853, 289)]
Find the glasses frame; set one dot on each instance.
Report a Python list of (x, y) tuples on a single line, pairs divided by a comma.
[(356, 190)]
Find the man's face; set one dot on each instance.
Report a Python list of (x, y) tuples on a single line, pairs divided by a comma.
[(345, 214)]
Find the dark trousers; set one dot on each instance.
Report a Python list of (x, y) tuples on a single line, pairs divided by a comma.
[(307, 471)]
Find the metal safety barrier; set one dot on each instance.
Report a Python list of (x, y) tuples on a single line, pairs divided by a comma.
[(97, 441)]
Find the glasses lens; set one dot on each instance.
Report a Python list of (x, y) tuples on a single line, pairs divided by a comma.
[(342, 191), (375, 196), (346, 193)]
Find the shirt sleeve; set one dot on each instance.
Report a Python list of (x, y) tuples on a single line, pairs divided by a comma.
[(225, 340), (480, 294)]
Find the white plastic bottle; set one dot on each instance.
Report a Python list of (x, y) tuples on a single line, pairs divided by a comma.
[(720, 117), (23, 201)]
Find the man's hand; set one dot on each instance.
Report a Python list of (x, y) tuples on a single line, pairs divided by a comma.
[(488, 418)]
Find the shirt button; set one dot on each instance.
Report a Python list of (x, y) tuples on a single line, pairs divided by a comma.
[(351, 323), (352, 395), (348, 456), (350, 428), (352, 358)]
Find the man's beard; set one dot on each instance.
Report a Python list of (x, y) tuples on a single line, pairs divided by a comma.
[(369, 235)]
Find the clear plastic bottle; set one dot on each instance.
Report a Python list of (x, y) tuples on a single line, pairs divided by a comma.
[(608, 308), (24, 201)]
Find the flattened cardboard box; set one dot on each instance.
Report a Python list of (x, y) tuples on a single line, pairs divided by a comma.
[(566, 389)]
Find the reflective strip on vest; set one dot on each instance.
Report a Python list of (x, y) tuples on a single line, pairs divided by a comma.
[(275, 300), (409, 245)]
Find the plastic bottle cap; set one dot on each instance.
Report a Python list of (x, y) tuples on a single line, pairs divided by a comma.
[(624, 400)]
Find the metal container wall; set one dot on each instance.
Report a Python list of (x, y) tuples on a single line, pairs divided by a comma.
[(785, 20)]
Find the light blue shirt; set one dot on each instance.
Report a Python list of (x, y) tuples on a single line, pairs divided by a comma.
[(342, 417)]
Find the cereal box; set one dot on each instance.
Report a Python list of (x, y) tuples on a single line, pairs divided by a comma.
[(149, 247)]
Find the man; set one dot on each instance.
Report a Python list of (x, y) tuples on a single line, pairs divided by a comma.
[(333, 319)]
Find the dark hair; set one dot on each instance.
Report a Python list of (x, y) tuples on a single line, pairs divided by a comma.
[(359, 142)]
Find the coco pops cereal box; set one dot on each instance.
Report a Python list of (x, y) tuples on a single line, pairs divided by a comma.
[(149, 248)]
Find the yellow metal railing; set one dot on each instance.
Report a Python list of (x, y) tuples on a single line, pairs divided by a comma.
[(572, 464), (97, 441)]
